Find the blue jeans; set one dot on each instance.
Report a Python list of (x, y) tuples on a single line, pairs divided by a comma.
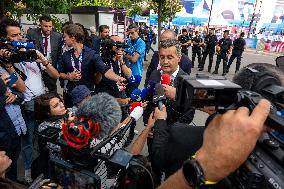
[(27, 139)]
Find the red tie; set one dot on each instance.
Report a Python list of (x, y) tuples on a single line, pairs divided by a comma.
[(45, 45)]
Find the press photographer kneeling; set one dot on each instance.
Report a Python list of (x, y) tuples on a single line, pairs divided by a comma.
[(229, 138)]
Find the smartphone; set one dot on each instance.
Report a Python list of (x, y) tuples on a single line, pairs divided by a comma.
[(13, 78)]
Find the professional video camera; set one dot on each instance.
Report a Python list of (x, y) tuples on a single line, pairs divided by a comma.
[(106, 48), (13, 53), (183, 39), (265, 166)]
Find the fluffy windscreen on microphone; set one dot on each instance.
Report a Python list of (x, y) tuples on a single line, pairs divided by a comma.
[(103, 108), (144, 93), (165, 79), (255, 77), (134, 79), (159, 90)]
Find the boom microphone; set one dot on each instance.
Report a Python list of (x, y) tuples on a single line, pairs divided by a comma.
[(104, 109)]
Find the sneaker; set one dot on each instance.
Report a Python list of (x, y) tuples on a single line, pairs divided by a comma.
[(215, 72), (28, 176), (200, 69)]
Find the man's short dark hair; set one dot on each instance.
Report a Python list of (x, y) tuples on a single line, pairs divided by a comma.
[(103, 27), (183, 30), (6, 23), (170, 43), (242, 34), (45, 18), (73, 30), (133, 26)]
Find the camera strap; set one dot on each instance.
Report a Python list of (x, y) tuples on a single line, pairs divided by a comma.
[(80, 61)]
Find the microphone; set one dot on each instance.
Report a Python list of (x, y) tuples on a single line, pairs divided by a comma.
[(134, 79), (166, 79), (159, 96), (135, 95), (23, 44), (144, 94)]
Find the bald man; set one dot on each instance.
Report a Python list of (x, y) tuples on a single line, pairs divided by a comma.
[(185, 62)]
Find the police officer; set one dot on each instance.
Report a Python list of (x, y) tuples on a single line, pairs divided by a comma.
[(197, 42), (223, 50), (184, 39), (239, 47), (210, 42)]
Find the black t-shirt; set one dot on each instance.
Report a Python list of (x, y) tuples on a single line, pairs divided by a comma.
[(110, 86), (225, 44), (196, 39), (239, 44), (210, 41), (183, 39)]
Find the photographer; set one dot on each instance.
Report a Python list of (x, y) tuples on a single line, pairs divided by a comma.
[(103, 34), (222, 151), (118, 65), (10, 30), (184, 39), (80, 64)]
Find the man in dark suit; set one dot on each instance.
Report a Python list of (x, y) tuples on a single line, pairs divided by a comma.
[(185, 62), (49, 43)]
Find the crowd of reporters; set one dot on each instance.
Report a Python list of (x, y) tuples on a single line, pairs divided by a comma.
[(75, 58)]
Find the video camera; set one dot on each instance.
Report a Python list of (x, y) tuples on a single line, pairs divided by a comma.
[(265, 166), (13, 52), (106, 48), (183, 39)]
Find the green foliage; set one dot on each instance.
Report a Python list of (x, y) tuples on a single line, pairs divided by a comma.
[(93, 3)]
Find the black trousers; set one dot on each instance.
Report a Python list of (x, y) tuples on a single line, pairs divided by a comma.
[(222, 56), (196, 51), (235, 54), (13, 153), (204, 56), (49, 82)]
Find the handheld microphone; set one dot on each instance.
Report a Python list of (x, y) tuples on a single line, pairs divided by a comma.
[(23, 44), (135, 95), (166, 79), (144, 94), (159, 96), (134, 79)]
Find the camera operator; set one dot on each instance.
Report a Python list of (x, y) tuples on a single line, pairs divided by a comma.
[(184, 39), (10, 29), (238, 49), (118, 65), (222, 151), (185, 62), (80, 64)]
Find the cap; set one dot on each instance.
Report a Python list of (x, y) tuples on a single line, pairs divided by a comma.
[(79, 93)]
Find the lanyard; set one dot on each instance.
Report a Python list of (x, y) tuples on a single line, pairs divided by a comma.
[(80, 60)]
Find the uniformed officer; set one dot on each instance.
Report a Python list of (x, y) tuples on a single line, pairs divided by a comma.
[(239, 47), (210, 41), (224, 46), (197, 42), (185, 41)]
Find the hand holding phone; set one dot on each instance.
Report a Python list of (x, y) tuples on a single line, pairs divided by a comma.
[(13, 78)]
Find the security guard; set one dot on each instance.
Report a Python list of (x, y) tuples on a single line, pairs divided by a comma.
[(184, 39), (224, 46), (239, 47), (210, 41), (197, 42)]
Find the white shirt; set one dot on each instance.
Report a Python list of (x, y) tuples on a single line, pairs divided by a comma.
[(34, 83), (48, 46)]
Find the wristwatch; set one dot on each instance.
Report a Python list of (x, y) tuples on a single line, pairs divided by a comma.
[(194, 175)]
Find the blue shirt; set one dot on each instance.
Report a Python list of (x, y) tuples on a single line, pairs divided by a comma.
[(137, 46), (88, 63)]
